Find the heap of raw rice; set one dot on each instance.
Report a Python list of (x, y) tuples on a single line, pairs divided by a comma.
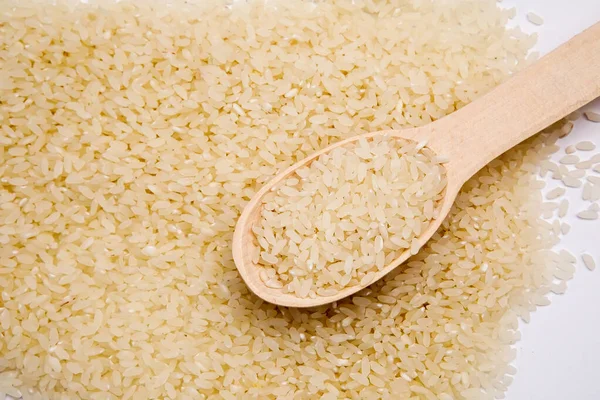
[(133, 134)]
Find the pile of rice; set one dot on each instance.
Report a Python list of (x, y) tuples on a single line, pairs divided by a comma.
[(132, 136), (338, 221)]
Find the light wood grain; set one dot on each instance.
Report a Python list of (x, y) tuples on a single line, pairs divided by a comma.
[(533, 99)]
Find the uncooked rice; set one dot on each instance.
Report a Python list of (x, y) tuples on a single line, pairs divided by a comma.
[(588, 261), (571, 181), (566, 129), (546, 166), (535, 19), (339, 220), (584, 164), (134, 134), (594, 193), (586, 193), (587, 214), (577, 174), (594, 179), (586, 145), (563, 207), (555, 193), (592, 116), (569, 159)]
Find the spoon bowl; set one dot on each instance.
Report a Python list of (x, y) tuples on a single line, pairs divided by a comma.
[(469, 138), (243, 249)]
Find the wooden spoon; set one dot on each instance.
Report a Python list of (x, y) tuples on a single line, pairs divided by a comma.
[(471, 137)]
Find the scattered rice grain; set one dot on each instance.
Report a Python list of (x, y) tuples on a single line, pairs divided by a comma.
[(555, 193), (566, 129), (592, 116), (585, 146), (563, 207), (569, 159), (588, 214), (571, 181), (535, 19), (584, 164), (588, 261), (570, 149), (594, 179)]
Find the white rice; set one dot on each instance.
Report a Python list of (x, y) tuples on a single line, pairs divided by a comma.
[(584, 164), (566, 129), (570, 149), (588, 261), (569, 159), (588, 214), (585, 146), (571, 181), (148, 128), (594, 193), (577, 174), (586, 193), (592, 116), (535, 19), (593, 179), (555, 193), (563, 207), (347, 215)]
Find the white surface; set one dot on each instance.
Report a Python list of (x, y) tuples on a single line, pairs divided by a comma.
[(560, 348), (557, 358)]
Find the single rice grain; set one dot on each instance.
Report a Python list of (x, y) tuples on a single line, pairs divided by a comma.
[(588, 261), (555, 193), (570, 149), (585, 146), (569, 159), (592, 116), (588, 214), (535, 19)]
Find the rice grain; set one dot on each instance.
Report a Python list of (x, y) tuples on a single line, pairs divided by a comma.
[(585, 146), (588, 261), (588, 214), (592, 116), (569, 159), (535, 19)]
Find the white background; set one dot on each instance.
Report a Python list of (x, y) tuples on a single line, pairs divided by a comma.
[(559, 354)]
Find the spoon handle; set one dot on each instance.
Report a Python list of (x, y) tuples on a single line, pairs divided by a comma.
[(553, 87)]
